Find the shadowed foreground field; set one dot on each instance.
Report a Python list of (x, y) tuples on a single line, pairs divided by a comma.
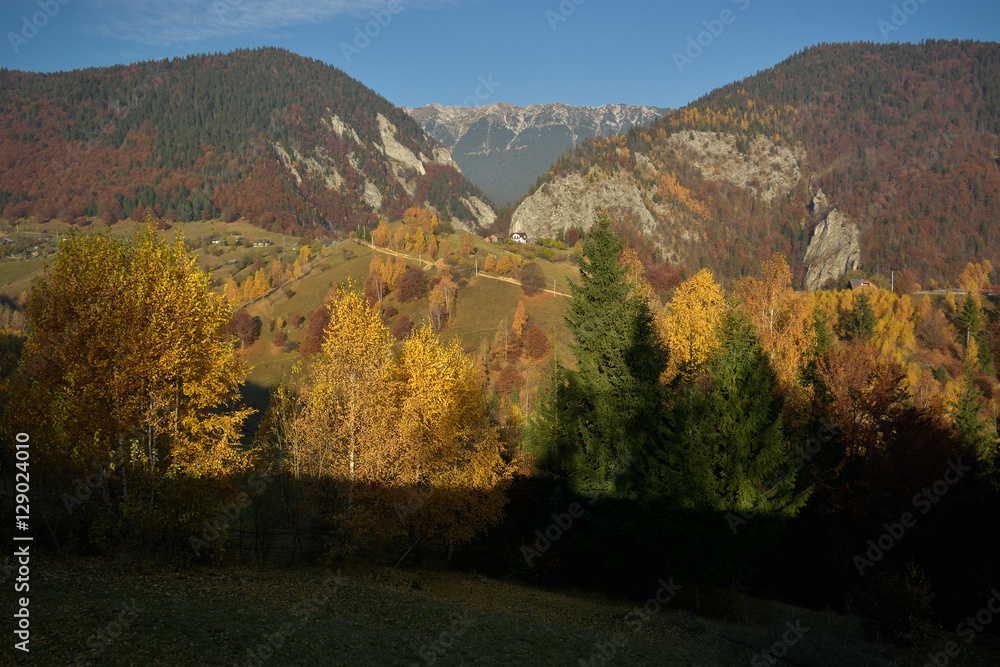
[(94, 611)]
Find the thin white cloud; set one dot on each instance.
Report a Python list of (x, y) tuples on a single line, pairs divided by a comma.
[(167, 22)]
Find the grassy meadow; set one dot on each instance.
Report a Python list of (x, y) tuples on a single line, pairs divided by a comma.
[(105, 612)]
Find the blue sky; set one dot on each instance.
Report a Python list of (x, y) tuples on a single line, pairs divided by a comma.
[(419, 51)]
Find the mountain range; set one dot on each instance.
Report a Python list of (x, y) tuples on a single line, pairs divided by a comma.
[(504, 148), (287, 142), (878, 157)]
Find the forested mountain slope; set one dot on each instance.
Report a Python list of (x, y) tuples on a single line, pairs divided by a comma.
[(900, 138), (290, 143)]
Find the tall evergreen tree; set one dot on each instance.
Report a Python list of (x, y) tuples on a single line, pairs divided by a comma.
[(610, 406), (978, 434), (860, 324), (970, 318), (824, 338), (729, 439)]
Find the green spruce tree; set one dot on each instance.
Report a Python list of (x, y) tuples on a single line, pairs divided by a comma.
[(978, 434), (611, 404), (824, 340), (970, 319), (729, 441), (860, 324)]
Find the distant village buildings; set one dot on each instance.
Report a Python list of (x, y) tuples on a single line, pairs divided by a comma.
[(516, 237)]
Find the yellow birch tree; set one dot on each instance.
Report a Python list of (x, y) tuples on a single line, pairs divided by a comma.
[(783, 319), (125, 355), (690, 326)]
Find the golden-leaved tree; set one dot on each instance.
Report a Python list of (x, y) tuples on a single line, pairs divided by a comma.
[(125, 353), (392, 271), (783, 319), (344, 412), (388, 428), (252, 288), (893, 335), (454, 450), (441, 307), (399, 239), (689, 326), (126, 372), (636, 277), (504, 264), (380, 236), (976, 275)]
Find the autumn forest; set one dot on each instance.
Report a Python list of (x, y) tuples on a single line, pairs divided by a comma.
[(246, 342)]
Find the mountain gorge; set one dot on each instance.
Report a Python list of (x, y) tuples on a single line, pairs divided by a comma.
[(287, 142), (879, 157), (876, 157), (505, 148)]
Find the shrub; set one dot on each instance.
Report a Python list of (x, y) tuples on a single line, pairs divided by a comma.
[(532, 278), (297, 320), (313, 339), (279, 338), (390, 312), (507, 378), (536, 342), (244, 328), (412, 286), (899, 603), (401, 329)]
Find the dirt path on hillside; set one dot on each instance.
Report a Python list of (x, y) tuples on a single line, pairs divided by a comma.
[(438, 263)]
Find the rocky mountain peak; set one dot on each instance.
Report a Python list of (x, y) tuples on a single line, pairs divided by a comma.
[(503, 148)]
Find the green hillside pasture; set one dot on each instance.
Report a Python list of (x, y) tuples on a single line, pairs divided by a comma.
[(103, 612), (484, 303), (16, 275)]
